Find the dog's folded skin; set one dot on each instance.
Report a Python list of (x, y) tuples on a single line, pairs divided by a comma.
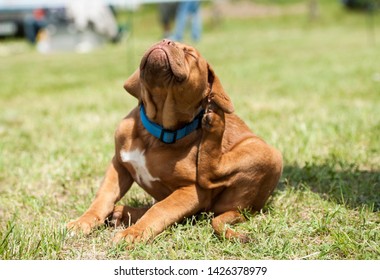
[(221, 167)]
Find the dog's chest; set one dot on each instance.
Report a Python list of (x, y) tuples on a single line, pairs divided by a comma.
[(137, 160)]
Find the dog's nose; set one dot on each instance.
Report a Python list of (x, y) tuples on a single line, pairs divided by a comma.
[(168, 42)]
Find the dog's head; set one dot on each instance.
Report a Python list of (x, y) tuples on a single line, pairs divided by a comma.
[(173, 82)]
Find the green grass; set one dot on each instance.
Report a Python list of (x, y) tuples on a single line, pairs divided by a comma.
[(311, 89)]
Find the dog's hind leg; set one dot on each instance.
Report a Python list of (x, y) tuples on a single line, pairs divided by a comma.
[(220, 222), (127, 215)]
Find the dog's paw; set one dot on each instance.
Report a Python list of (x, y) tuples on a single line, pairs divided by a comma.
[(77, 227), (130, 235), (213, 119), (83, 224)]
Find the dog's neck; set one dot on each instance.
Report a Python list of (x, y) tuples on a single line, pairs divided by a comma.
[(165, 109), (170, 136)]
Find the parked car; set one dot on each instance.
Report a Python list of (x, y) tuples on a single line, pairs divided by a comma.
[(12, 22), (26, 22)]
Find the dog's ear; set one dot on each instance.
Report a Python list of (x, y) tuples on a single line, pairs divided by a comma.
[(132, 84), (217, 93)]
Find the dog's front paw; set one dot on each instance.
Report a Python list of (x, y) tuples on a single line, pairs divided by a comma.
[(83, 224), (213, 119), (130, 235)]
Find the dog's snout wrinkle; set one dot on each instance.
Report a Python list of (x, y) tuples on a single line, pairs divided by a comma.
[(163, 58), (158, 60)]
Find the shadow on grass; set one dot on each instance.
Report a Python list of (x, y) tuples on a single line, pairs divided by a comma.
[(341, 183)]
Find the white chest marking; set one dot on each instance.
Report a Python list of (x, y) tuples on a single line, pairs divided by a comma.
[(137, 159)]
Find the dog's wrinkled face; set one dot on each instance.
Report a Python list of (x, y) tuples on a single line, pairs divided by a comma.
[(169, 64), (173, 81)]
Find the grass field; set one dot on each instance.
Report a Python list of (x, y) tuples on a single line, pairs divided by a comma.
[(311, 89)]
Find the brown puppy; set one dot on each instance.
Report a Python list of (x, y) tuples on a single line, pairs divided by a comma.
[(184, 146)]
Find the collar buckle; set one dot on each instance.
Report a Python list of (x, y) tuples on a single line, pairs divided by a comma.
[(168, 140)]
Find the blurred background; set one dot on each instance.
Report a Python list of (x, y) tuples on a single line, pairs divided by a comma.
[(69, 25)]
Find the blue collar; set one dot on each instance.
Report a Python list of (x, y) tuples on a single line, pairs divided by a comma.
[(169, 136)]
